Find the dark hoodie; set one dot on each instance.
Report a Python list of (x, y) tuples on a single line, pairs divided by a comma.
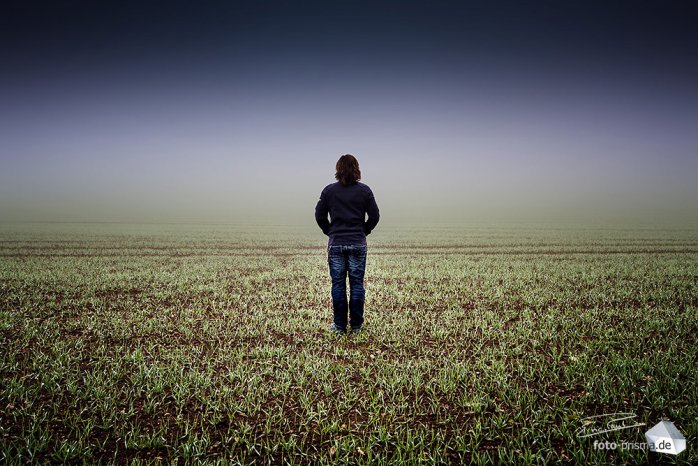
[(347, 206)]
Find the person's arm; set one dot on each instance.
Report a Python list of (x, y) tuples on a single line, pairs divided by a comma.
[(373, 214), (321, 211)]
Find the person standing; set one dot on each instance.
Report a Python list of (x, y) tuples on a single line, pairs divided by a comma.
[(353, 214)]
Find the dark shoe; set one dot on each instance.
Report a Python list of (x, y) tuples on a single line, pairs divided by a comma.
[(337, 330), (356, 330)]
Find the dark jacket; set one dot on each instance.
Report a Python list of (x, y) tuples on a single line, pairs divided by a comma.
[(347, 206)]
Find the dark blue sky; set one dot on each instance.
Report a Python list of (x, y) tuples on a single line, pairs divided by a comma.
[(216, 110)]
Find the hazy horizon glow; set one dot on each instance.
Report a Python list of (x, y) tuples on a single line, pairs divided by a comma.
[(240, 110)]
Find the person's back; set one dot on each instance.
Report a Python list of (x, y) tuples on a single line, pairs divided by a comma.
[(348, 206), (347, 202)]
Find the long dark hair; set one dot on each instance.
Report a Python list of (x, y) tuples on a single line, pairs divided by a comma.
[(347, 170)]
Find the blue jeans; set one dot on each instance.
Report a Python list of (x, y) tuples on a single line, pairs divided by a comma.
[(347, 260)]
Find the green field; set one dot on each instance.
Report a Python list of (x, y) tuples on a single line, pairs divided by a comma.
[(483, 345)]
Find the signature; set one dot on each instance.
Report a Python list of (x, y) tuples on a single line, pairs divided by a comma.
[(603, 423)]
